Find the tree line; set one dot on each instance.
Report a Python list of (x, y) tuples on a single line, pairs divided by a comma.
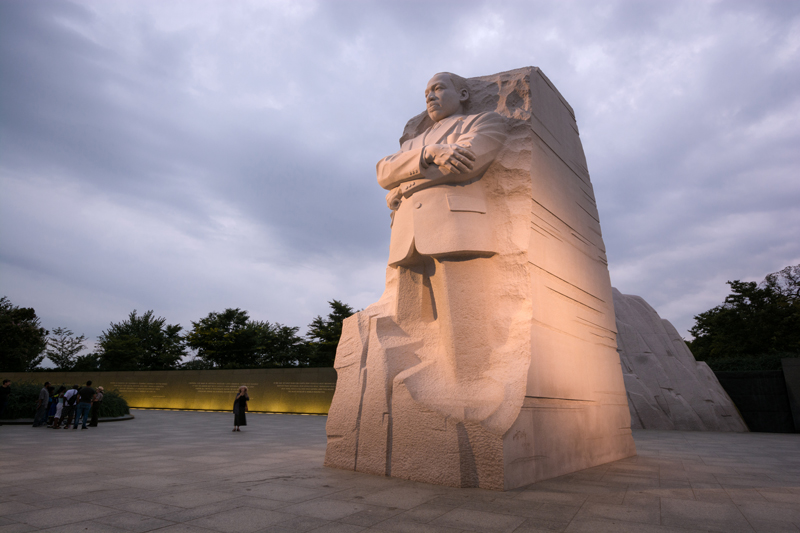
[(227, 339), (756, 326)]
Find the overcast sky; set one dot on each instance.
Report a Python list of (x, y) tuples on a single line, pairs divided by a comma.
[(186, 157)]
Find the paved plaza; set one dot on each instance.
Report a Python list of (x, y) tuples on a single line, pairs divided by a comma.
[(187, 472)]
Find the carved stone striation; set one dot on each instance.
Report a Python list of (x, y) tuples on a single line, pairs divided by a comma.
[(667, 388), (490, 360)]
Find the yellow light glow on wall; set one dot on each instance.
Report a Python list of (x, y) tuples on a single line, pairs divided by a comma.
[(280, 390)]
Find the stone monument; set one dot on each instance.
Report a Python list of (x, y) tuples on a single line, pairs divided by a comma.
[(490, 360), (667, 388)]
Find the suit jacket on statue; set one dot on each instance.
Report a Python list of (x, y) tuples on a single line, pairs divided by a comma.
[(442, 213)]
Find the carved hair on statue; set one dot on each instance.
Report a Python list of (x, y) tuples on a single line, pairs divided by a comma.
[(459, 84)]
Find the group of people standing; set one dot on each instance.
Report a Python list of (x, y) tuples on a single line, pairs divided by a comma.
[(83, 404), (56, 406)]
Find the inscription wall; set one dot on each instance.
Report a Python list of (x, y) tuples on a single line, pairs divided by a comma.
[(279, 390)]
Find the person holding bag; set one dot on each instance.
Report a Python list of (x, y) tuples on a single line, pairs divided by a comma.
[(240, 408)]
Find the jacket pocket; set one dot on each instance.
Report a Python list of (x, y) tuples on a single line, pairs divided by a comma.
[(466, 203)]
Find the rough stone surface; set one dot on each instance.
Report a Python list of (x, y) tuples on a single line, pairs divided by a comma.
[(490, 360), (667, 388)]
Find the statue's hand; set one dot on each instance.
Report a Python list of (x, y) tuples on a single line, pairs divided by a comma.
[(450, 156), (393, 199)]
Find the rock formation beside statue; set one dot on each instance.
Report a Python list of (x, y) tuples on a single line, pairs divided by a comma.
[(490, 360), (667, 388)]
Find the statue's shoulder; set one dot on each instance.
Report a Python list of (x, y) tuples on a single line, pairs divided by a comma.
[(480, 119)]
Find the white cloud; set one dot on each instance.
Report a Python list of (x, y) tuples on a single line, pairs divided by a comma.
[(191, 156)]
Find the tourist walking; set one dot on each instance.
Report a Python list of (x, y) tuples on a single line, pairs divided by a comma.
[(70, 400), (96, 403), (42, 404), (86, 394), (5, 392), (59, 398), (240, 408)]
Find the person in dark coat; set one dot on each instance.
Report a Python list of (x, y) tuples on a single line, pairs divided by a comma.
[(240, 408), (42, 405), (95, 412), (5, 392)]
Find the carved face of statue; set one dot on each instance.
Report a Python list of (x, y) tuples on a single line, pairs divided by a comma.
[(442, 98)]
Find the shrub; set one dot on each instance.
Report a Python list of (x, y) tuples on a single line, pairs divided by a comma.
[(113, 404), (22, 401), (771, 361)]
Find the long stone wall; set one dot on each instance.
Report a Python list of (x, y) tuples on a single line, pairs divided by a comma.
[(281, 390)]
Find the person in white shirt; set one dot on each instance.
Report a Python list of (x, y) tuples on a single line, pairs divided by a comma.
[(70, 399)]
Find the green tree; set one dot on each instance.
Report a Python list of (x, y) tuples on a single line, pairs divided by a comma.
[(324, 333), (87, 363), (230, 339), (22, 339), (225, 340), (63, 348), (281, 346), (141, 343), (756, 319)]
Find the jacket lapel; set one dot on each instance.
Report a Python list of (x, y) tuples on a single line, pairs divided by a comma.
[(441, 130)]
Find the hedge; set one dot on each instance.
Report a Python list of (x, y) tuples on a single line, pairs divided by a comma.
[(22, 401)]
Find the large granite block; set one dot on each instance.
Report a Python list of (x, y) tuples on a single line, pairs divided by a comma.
[(490, 360), (667, 388)]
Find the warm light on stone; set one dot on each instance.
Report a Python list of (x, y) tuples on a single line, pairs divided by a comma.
[(490, 360)]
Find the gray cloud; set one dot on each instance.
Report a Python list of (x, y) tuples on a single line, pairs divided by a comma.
[(190, 156)]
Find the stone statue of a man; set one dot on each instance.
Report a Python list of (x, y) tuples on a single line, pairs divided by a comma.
[(490, 360), (441, 235)]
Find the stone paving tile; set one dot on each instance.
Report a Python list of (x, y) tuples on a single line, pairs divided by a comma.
[(554, 512), (770, 511), (297, 524), (547, 496), (17, 528), (242, 519), (640, 514), (370, 517), (325, 509), (679, 494), (183, 528), (189, 499), (773, 526), (780, 496), (400, 524), (744, 495), (168, 467), (141, 507), (259, 503), (595, 525), (56, 516), (725, 517), (7, 508), (28, 497), (537, 525), (133, 522), (200, 511), (84, 527), (336, 527), (426, 512), (147, 481), (483, 521), (402, 497), (284, 493)]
